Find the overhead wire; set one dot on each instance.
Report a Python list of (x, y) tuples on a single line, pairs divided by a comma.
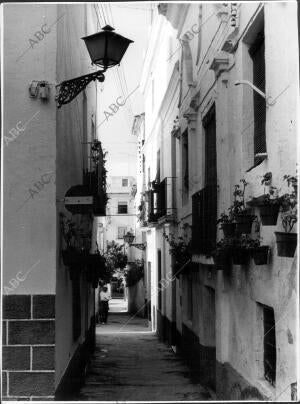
[(119, 81), (79, 123)]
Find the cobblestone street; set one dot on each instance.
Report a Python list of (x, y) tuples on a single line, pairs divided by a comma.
[(130, 363)]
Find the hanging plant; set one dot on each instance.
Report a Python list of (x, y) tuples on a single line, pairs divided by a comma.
[(134, 273), (260, 253), (77, 244), (180, 249), (222, 254), (227, 223), (241, 213), (241, 249), (287, 241), (268, 203)]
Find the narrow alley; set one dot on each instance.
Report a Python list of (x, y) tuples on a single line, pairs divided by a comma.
[(150, 201), (129, 363)]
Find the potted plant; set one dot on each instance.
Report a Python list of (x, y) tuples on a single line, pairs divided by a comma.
[(287, 241), (268, 204), (227, 223), (222, 254), (241, 249), (260, 253), (73, 256), (180, 250), (241, 213), (134, 273)]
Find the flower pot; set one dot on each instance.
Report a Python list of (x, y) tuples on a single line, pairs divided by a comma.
[(228, 229), (269, 214), (261, 255), (73, 260), (286, 244), (222, 259), (244, 223), (240, 256)]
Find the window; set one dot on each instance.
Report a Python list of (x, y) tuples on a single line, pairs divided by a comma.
[(269, 345), (122, 207), (204, 202), (257, 54), (124, 182), (209, 124), (158, 166), (121, 232), (185, 162)]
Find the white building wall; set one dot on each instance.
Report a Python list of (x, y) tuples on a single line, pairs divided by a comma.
[(49, 149), (237, 297)]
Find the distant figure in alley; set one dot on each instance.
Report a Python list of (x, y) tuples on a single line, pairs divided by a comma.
[(103, 305)]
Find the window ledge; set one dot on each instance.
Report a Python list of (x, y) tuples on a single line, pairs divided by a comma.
[(258, 163), (266, 388)]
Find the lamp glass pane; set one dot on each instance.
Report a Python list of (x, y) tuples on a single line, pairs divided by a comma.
[(96, 46), (106, 48), (116, 47)]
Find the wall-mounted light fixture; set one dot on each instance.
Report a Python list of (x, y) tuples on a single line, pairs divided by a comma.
[(106, 49), (129, 237), (39, 89)]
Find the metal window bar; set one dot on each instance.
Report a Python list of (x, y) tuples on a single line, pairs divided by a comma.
[(204, 219), (257, 53), (269, 345)]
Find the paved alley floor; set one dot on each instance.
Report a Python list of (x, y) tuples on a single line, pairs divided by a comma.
[(130, 364), (118, 305)]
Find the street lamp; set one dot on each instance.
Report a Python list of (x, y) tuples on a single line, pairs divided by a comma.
[(106, 49), (129, 237)]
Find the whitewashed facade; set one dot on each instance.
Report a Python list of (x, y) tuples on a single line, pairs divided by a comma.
[(198, 60)]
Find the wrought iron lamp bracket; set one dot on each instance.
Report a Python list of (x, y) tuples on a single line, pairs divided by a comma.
[(69, 89)]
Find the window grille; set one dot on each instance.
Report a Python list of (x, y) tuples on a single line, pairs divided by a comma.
[(204, 218), (269, 345), (122, 207), (161, 198), (185, 161), (257, 54), (204, 202), (121, 232), (209, 124)]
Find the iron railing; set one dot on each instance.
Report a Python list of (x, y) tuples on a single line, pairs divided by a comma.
[(161, 200)]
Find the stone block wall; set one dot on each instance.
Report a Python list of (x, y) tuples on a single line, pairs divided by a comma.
[(28, 352)]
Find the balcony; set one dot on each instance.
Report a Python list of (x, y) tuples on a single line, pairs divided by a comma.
[(204, 220), (95, 181), (161, 201)]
